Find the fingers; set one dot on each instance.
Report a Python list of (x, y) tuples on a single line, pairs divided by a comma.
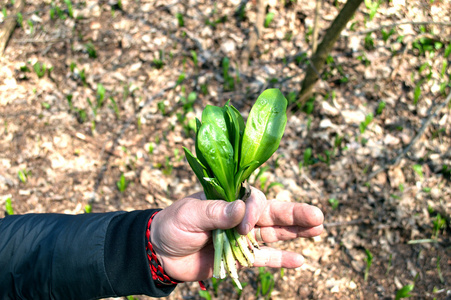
[(279, 233), (255, 205), (276, 258), (290, 214), (206, 215)]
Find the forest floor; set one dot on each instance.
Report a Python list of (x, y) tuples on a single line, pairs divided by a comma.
[(125, 80)]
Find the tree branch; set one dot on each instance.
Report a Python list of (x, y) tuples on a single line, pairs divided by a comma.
[(9, 25)]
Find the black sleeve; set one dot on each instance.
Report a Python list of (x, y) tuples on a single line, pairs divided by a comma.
[(89, 256)]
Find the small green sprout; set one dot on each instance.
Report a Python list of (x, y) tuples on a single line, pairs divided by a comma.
[(122, 183), (70, 9), (158, 63), (9, 207), (215, 283), (151, 148), (404, 292), (417, 93), (20, 19), (268, 19), (180, 19), (386, 35), (369, 262), (88, 208), (39, 69), (372, 6), (229, 83), (31, 26), (265, 283), (334, 203), (369, 42), (100, 94), (115, 108), (194, 57), (161, 107), (23, 175), (380, 107), (205, 294), (439, 223), (91, 50), (308, 160), (418, 169), (364, 124), (168, 166), (389, 264)]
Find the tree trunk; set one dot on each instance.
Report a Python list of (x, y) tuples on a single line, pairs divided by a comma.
[(319, 58), (9, 24)]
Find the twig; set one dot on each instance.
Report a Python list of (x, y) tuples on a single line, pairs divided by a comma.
[(400, 23), (426, 123), (344, 223), (316, 26), (315, 187)]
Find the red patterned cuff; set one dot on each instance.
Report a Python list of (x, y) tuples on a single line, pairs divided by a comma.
[(158, 275)]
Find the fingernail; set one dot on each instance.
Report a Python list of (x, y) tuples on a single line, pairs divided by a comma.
[(247, 228), (230, 208)]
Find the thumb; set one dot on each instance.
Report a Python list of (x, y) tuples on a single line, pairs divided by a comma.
[(218, 214)]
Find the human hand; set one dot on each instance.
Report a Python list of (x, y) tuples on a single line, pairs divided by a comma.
[(181, 233)]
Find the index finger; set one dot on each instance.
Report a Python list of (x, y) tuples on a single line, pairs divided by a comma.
[(255, 205), (279, 213)]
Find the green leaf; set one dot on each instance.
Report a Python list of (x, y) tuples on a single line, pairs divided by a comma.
[(199, 169), (416, 94), (268, 19), (239, 177), (214, 185), (447, 51), (199, 154), (404, 292), (264, 129), (215, 115), (9, 207), (418, 169), (218, 152), (234, 134)]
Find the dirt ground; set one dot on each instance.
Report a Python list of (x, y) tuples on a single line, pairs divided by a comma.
[(147, 78)]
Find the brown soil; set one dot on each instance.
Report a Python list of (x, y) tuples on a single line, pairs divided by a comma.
[(141, 53)]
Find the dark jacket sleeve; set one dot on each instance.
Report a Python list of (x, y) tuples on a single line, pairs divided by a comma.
[(89, 256)]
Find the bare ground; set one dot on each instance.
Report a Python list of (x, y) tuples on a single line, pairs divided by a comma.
[(144, 60)]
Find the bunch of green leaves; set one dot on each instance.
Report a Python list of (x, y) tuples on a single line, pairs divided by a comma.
[(228, 151)]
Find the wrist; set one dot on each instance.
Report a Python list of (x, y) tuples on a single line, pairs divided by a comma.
[(155, 260)]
